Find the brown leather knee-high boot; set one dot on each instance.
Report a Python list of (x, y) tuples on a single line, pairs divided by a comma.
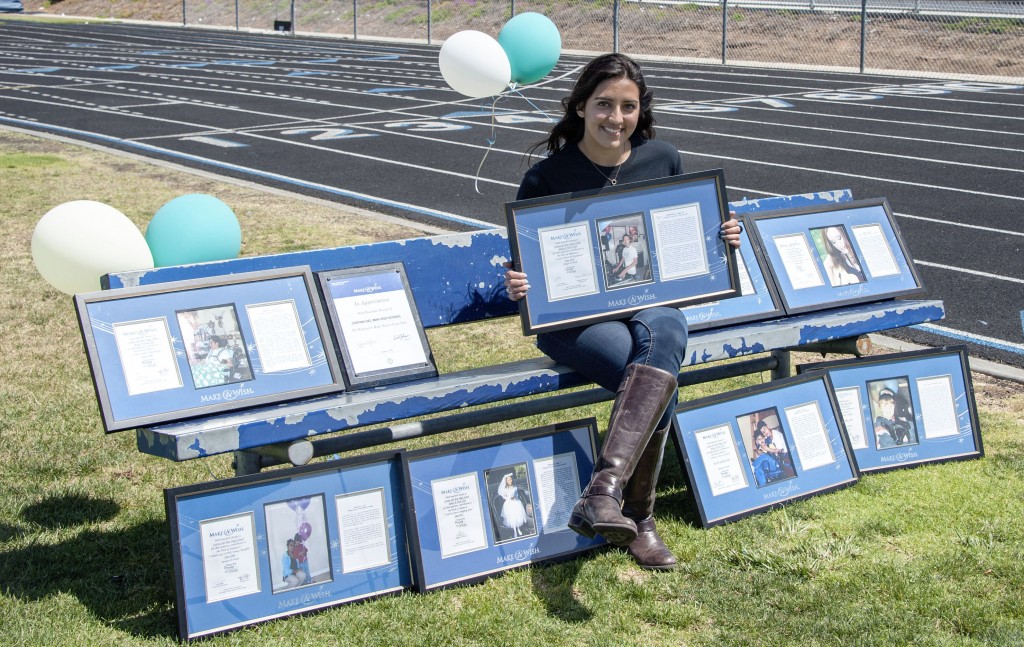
[(648, 549), (643, 394)]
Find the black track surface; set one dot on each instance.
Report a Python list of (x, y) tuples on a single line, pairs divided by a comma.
[(374, 125)]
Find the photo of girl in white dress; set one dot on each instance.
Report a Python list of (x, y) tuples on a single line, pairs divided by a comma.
[(511, 503)]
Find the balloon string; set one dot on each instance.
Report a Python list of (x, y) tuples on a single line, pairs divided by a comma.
[(515, 89), (490, 143)]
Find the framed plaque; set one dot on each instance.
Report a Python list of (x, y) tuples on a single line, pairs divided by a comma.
[(605, 254), (270, 545), (485, 506), (376, 325), (826, 257), (189, 348), (757, 299), (764, 446), (906, 409)]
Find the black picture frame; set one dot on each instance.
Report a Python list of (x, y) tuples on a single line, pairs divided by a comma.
[(197, 347), (761, 447), (564, 244), (381, 298), (459, 530), (869, 260), (906, 409), (339, 526), (757, 300)]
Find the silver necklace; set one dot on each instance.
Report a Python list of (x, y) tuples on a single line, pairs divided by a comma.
[(613, 178)]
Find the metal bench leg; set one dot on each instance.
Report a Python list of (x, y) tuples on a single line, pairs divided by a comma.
[(246, 463), (251, 461), (856, 346), (785, 364)]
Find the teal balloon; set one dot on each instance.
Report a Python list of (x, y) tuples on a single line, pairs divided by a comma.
[(532, 43), (193, 228)]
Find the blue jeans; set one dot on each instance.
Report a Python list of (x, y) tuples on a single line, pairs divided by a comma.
[(601, 352)]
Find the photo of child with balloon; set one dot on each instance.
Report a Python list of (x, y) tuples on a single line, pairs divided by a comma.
[(297, 539)]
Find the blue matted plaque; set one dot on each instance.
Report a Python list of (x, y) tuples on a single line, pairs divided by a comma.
[(607, 253), (906, 409), (757, 299), (188, 348), (270, 545), (757, 448), (836, 255), (482, 507)]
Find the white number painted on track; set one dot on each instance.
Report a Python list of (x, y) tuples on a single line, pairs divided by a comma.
[(909, 90), (523, 119), (696, 109), (843, 96), (327, 133), (768, 101), (427, 126), (974, 86), (869, 94)]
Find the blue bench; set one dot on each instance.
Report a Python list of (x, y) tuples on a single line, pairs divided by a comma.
[(457, 278)]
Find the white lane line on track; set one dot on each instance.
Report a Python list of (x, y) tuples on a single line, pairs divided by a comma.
[(805, 113), (915, 158), (951, 223), (697, 154), (215, 141), (855, 176), (981, 340), (754, 162), (722, 97), (442, 215), (993, 230), (195, 129), (855, 133), (963, 270), (882, 106)]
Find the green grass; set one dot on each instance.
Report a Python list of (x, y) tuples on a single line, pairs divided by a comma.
[(928, 556)]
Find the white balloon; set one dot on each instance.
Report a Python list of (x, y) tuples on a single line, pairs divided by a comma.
[(475, 64), (76, 243)]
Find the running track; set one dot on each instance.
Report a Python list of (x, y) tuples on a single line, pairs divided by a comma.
[(374, 125)]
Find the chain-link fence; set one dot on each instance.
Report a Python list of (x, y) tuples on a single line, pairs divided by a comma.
[(979, 37)]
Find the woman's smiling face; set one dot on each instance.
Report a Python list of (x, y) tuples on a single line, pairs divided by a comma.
[(610, 116)]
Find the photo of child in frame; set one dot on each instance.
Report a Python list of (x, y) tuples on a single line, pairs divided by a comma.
[(214, 346), (767, 447), (892, 413), (510, 500), (626, 260), (297, 540)]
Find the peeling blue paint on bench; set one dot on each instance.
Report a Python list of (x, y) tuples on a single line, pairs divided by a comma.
[(454, 391), (458, 278), (455, 278)]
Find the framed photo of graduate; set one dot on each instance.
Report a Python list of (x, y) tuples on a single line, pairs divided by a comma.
[(607, 253), (755, 449), (906, 409), (188, 348), (481, 507), (757, 299), (270, 545), (826, 257), (376, 325)]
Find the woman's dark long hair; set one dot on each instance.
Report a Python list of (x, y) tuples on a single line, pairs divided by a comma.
[(607, 66)]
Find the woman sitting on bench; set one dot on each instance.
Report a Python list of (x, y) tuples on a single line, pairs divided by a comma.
[(606, 136)]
